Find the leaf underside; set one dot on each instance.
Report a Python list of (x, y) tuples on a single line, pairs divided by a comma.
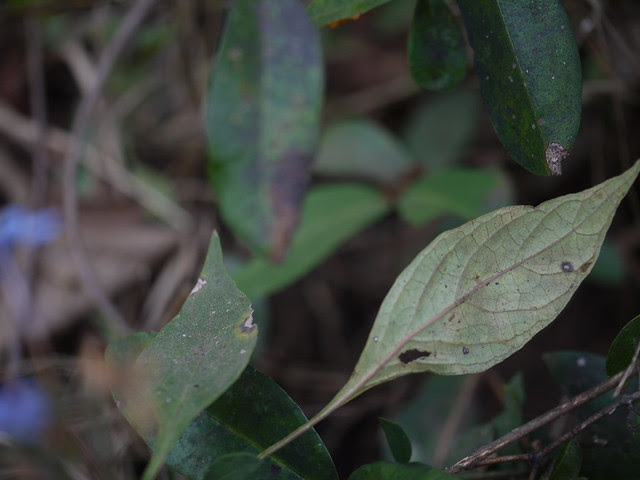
[(527, 61), (479, 292)]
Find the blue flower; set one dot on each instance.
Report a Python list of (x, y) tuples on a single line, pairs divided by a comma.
[(19, 226), (25, 410)]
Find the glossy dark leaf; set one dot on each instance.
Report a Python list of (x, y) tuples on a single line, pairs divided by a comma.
[(527, 62), (263, 108), (437, 50), (233, 466), (623, 347), (251, 415), (397, 439)]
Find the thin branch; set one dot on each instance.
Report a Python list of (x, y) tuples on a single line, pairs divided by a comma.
[(628, 371), (79, 130), (480, 455)]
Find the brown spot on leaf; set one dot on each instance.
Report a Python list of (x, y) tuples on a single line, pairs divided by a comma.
[(585, 267), (409, 356), (288, 186), (554, 155)]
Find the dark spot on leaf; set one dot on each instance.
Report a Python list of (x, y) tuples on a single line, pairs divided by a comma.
[(497, 283), (247, 325), (413, 354), (465, 350), (566, 267), (287, 189), (196, 386), (585, 267)]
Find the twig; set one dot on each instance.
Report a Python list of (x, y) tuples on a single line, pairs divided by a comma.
[(628, 371), (477, 457), (537, 457), (107, 60)]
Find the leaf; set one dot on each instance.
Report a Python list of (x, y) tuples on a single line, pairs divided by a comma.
[(529, 70), (262, 114), (610, 449), (479, 292), (397, 439), (437, 50), (233, 466), (191, 361), (623, 347), (568, 462), (324, 12), (361, 148), (254, 412), (461, 192), (440, 129), (330, 215), (399, 471)]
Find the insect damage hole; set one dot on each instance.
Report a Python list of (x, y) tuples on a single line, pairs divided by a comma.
[(412, 355), (247, 325)]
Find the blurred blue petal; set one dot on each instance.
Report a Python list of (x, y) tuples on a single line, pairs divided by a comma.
[(21, 227), (25, 410)]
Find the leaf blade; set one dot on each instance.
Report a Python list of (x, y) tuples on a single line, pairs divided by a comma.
[(195, 357), (397, 440), (529, 70), (262, 116), (324, 12), (470, 317)]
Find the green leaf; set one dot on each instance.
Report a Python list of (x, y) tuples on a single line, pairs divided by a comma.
[(361, 148), (623, 347), (610, 450), (479, 292), (437, 50), (567, 462), (461, 192), (324, 12), (529, 70), (191, 361), (253, 413), (397, 439), (262, 114), (399, 471), (440, 129), (609, 270), (233, 466), (330, 215)]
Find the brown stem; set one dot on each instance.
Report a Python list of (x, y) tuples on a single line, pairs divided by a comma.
[(480, 456)]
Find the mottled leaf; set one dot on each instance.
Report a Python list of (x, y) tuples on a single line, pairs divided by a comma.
[(479, 292), (461, 192), (527, 61), (399, 471), (360, 148), (331, 214), (191, 361), (624, 347), (262, 114), (397, 439), (324, 12), (437, 50), (439, 129)]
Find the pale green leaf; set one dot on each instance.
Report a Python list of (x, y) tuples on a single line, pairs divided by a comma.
[(479, 292), (190, 362), (361, 148)]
